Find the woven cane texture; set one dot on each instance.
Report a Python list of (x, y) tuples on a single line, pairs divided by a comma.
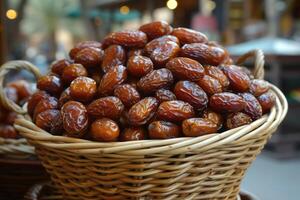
[(208, 167), (15, 148)]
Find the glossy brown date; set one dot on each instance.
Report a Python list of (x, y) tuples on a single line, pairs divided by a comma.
[(227, 102), (258, 87), (187, 36), (110, 107), (191, 93), (114, 55), (175, 111), (133, 133), (239, 80), (194, 127), (138, 66), (218, 74), (51, 84), (75, 118), (253, 108), (58, 67), (203, 53), (111, 79), (163, 130), (83, 45), (156, 29), (213, 116), (45, 104), (141, 112), (185, 68), (23, 89), (73, 71), (105, 130), (210, 85), (127, 94), (50, 120), (34, 100), (83, 89), (135, 52), (89, 57), (267, 101), (238, 119), (127, 38), (155, 80), (64, 97), (164, 95)]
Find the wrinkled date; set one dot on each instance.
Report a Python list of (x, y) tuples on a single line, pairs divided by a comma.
[(210, 85), (50, 120), (58, 67), (50, 84), (175, 111), (75, 118), (191, 93), (73, 71), (89, 57), (34, 100), (110, 107), (253, 108), (105, 130), (164, 95), (258, 87), (185, 68), (163, 130), (83, 45), (218, 74), (198, 126), (187, 36), (238, 119), (45, 104), (156, 29), (141, 112), (203, 53), (126, 39), (267, 101), (214, 117), (133, 133), (155, 80), (83, 89), (114, 55), (64, 97), (239, 80), (139, 65), (111, 79), (227, 102), (127, 94)]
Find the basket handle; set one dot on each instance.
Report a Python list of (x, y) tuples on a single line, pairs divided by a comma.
[(259, 71), (4, 70)]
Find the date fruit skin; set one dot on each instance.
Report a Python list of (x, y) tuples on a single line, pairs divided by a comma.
[(164, 95), (203, 53), (73, 71), (191, 93), (58, 67), (75, 118), (34, 100), (155, 80), (111, 80), (210, 85), (227, 102), (239, 80), (141, 112), (194, 127), (83, 89), (105, 130), (214, 117), (139, 66), (89, 57), (51, 84), (82, 45), (156, 29), (185, 68), (258, 87), (127, 94), (253, 108), (238, 119), (187, 36), (162, 49), (50, 120), (133, 133), (218, 74), (127, 38), (163, 130), (135, 52), (267, 101), (113, 56), (110, 107), (175, 111), (45, 104), (23, 89), (8, 131), (64, 97)]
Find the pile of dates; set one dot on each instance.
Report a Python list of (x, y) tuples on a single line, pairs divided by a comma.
[(157, 82), (18, 92)]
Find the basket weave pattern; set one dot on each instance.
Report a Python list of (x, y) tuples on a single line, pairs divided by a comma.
[(208, 167)]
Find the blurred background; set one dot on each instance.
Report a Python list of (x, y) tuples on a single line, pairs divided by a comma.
[(42, 31)]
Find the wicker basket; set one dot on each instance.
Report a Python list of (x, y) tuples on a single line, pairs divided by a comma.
[(208, 167), (46, 191), (15, 148)]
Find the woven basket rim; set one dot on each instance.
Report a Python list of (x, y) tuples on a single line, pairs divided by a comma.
[(269, 121)]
